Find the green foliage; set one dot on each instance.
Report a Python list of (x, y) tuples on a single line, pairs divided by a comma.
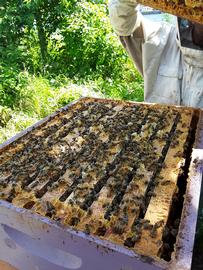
[(18, 121), (11, 85), (53, 52), (127, 86), (85, 44), (35, 97), (5, 115), (69, 37)]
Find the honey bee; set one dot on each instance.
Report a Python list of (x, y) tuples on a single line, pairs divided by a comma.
[(153, 232), (11, 195), (105, 205), (87, 229), (178, 154), (165, 182), (130, 242), (147, 226), (49, 208), (158, 224), (118, 228), (174, 143), (74, 221), (89, 212), (134, 210), (152, 193), (137, 228), (3, 184), (29, 205), (101, 231)]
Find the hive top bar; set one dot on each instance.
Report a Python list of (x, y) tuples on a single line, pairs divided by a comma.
[(188, 9), (108, 168)]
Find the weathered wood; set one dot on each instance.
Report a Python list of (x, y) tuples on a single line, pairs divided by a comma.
[(188, 9)]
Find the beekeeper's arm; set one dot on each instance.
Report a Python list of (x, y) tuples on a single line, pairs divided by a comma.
[(124, 17), (133, 29), (127, 24)]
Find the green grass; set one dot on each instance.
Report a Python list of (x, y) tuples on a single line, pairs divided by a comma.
[(17, 122), (40, 96)]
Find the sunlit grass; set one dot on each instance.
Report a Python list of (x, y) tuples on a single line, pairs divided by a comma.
[(40, 96)]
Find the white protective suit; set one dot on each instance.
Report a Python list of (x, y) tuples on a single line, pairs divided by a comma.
[(173, 73)]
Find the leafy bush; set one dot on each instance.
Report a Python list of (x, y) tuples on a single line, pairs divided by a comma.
[(5, 115), (85, 44), (12, 83), (55, 51)]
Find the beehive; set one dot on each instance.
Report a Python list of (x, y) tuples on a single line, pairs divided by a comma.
[(188, 9), (107, 168)]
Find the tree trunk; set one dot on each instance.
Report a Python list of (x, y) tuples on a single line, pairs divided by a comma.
[(42, 38)]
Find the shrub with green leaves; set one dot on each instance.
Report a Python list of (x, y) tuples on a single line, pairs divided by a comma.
[(85, 44), (53, 52)]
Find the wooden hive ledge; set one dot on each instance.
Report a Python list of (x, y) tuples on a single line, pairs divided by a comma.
[(188, 9)]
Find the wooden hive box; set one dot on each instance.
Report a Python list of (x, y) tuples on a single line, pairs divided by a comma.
[(102, 177)]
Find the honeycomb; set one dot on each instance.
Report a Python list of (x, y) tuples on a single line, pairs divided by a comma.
[(188, 9), (107, 168)]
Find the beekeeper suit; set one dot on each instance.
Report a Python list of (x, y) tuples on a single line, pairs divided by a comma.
[(171, 64)]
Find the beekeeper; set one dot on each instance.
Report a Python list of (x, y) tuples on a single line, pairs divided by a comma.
[(169, 58)]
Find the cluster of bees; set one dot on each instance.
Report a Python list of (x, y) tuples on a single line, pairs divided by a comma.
[(93, 153)]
